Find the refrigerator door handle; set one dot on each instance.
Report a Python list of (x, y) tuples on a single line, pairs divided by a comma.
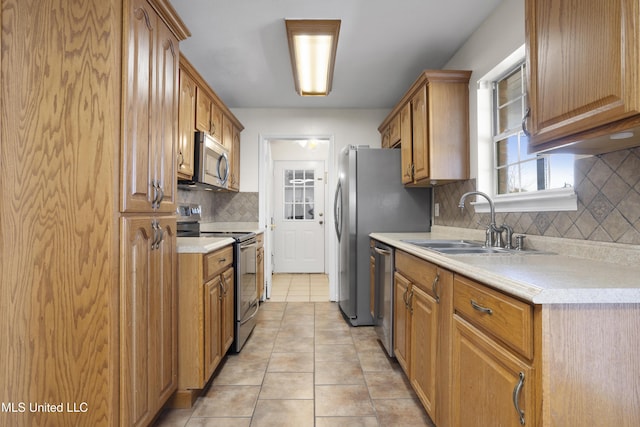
[(337, 210)]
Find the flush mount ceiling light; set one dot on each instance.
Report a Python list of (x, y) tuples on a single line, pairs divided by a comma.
[(312, 47)]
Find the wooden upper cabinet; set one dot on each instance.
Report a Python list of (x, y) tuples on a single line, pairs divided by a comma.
[(420, 147), (405, 143), (186, 124), (148, 176), (203, 111), (227, 133), (385, 135), (216, 122), (583, 74), (394, 131), (431, 122), (234, 160)]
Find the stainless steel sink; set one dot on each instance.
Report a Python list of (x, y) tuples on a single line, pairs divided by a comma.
[(445, 244), (464, 247)]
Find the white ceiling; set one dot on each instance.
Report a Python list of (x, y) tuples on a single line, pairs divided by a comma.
[(240, 46)]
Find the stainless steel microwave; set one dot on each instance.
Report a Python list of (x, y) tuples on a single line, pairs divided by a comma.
[(210, 161)]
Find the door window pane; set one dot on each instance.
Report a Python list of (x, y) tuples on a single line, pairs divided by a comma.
[(299, 195)]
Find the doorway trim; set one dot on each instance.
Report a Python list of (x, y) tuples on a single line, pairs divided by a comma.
[(265, 193)]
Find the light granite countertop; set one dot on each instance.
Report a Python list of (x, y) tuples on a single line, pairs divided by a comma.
[(207, 244), (576, 272), (201, 245)]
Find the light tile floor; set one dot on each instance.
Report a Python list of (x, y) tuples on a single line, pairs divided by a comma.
[(299, 287), (305, 366)]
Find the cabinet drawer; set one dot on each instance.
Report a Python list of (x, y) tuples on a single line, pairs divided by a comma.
[(420, 272), (215, 262), (502, 316)]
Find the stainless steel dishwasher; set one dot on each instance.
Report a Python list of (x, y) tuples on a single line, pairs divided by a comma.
[(383, 288)]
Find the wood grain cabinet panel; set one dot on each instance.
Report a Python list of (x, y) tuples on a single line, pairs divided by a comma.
[(204, 107), (260, 265), (148, 338), (151, 111), (583, 74), (206, 319), (491, 387), (186, 124), (432, 119)]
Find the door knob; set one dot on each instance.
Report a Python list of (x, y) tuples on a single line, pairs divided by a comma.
[(321, 222)]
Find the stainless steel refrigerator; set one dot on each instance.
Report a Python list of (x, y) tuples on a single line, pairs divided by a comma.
[(370, 198)]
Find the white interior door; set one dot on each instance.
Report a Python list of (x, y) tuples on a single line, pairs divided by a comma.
[(299, 216)]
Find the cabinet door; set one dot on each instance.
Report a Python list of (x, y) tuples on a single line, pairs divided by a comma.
[(260, 275), (582, 65), (372, 288), (216, 122), (166, 112), (164, 311), (212, 311), (137, 236), (150, 127), (401, 321), (385, 135), (424, 347), (394, 131), (203, 111), (227, 133), (148, 310), (234, 154), (419, 133), (406, 143), (490, 385), (227, 315), (186, 125), (137, 158)]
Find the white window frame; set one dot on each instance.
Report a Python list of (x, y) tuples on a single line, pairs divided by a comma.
[(562, 199)]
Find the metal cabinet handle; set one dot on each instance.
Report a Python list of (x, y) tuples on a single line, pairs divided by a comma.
[(410, 302), (524, 122), (180, 159), (435, 288), (516, 394), (223, 283), (480, 308), (154, 200)]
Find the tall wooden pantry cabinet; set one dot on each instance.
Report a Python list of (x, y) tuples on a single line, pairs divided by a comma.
[(88, 134)]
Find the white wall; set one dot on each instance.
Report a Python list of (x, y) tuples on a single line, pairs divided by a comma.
[(501, 34), (348, 126)]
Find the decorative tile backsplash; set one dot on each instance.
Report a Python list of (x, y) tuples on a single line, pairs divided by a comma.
[(223, 207), (608, 189)]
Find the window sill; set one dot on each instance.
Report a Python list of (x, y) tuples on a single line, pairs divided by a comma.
[(563, 199)]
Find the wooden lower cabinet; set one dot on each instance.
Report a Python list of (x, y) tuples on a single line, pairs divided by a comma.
[(260, 265), (422, 330), (205, 319), (148, 338), (401, 322), (491, 385), (212, 330), (227, 305), (424, 347)]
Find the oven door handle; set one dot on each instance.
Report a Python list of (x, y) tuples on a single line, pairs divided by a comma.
[(257, 304)]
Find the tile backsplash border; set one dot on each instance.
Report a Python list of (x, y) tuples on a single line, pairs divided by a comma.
[(608, 190)]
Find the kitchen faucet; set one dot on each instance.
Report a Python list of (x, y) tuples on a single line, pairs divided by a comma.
[(493, 232)]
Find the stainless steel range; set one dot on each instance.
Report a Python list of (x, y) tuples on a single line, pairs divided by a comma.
[(244, 267)]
